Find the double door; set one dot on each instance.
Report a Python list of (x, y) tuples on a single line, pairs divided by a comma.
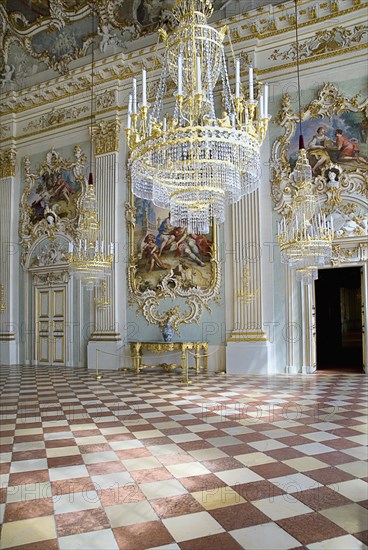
[(51, 314)]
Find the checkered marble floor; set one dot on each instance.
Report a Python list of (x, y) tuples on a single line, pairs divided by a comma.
[(136, 462)]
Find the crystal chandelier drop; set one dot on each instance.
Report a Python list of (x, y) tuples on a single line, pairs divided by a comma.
[(191, 161), (89, 258), (305, 234)]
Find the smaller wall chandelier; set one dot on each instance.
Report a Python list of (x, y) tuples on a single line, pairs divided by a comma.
[(90, 259), (193, 161), (305, 234)]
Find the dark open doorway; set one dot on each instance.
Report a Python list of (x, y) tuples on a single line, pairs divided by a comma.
[(338, 318)]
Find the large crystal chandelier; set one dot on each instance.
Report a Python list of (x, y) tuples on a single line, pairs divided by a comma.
[(305, 234), (191, 161)]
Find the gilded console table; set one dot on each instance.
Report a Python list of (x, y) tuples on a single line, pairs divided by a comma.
[(200, 355)]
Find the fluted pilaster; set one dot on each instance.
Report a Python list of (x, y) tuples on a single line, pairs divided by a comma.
[(247, 316)]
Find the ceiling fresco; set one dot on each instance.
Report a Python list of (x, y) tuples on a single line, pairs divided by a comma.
[(37, 35)]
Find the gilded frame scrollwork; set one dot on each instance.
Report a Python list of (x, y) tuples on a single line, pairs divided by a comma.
[(51, 222), (351, 180), (151, 302)]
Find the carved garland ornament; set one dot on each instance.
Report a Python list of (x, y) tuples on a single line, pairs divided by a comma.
[(7, 163), (175, 285)]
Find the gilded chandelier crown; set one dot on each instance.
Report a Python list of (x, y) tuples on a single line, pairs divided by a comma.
[(183, 9)]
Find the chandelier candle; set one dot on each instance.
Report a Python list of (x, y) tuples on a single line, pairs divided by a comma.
[(196, 161)]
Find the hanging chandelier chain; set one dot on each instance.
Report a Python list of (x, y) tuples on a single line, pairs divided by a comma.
[(298, 66)]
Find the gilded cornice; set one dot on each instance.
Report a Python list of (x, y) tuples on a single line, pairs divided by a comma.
[(105, 136), (122, 67), (7, 163), (313, 58)]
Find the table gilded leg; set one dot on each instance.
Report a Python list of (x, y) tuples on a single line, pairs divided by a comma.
[(205, 357), (197, 356), (136, 356), (184, 364)]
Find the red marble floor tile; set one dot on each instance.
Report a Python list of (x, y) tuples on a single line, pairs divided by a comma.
[(336, 457), (22, 478), (60, 461), (142, 536), (72, 523), (28, 438), (362, 536), (7, 448), (53, 443), (363, 503), (257, 490), (341, 443), (310, 528), (273, 469), (28, 455), (152, 474), (3, 491), (196, 445), (120, 495), (346, 432), (176, 506), (96, 448), (239, 516), (321, 498), (221, 464), (54, 429), (4, 467), (26, 509), (302, 429), (142, 427), (294, 440), (105, 468), (133, 453), (329, 475), (213, 542), (76, 485), (86, 433), (202, 483)]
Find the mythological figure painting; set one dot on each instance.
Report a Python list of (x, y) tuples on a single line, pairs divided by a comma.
[(161, 247), (341, 139), (54, 192)]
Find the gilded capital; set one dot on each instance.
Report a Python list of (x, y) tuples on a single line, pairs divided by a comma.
[(105, 136), (7, 163)]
